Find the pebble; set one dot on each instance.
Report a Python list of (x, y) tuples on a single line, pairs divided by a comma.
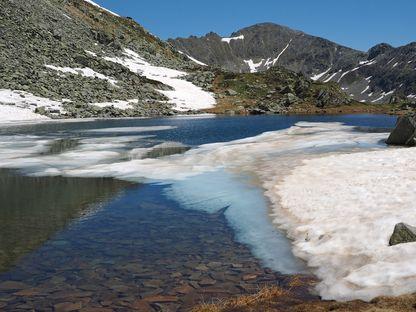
[(67, 306)]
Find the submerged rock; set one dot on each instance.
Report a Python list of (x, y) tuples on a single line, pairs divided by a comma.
[(402, 234), (404, 133)]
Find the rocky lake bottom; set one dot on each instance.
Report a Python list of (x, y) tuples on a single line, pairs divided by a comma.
[(104, 244)]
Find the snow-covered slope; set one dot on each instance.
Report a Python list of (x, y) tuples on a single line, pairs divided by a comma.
[(184, 95)]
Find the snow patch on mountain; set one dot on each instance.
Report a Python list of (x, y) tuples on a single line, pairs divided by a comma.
[(254, 67), (319, 76), (228, 40), (193, 59), (86, 72), (117, 104), (185, 95), (104, 9)]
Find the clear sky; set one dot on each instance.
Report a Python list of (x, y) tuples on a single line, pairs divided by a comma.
[(359, 24)]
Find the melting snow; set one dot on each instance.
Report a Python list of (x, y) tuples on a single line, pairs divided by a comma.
[(228, 40), (98, 6), (319, 76), (365, 90), (281, 53), (117, 104), (86, 72), (20, 105), (253, 66), (91, 53), (331, 77), (184, 96), (193, 59)]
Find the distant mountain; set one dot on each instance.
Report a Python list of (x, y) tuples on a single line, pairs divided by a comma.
[(381, 75)]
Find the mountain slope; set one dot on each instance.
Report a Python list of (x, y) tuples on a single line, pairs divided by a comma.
[(84, 61), (262, 46)]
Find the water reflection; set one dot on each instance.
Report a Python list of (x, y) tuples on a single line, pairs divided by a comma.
[(32, 209)]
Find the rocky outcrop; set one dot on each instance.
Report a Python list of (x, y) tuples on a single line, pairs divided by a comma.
[(74, 34), (275, 91), (403, 233), (404, 133)]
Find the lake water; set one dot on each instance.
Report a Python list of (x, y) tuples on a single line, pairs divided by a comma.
[(147, 213)]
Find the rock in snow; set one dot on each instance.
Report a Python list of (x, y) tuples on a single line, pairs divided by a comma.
[(402, 234), (404, 133)]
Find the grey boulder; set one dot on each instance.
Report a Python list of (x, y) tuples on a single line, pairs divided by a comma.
[(404, 133), (403, 233)]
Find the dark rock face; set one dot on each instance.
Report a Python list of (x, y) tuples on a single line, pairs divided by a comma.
[(384, 74), (402, 234), (404, 133), (262, 42)]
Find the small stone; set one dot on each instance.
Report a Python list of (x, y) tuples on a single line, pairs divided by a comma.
[(142, 306), (13, 285), (67, 306), (207, 282), (194, 284), (214, 264), (161, 299), (202, 267), (184, 289), (28, 293), (152, 283), (249, 277), (176, 275)]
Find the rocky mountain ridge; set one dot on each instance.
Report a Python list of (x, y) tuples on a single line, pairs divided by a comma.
[(383, 74)]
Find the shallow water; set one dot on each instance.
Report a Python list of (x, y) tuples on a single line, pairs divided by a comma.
[(100, 241)]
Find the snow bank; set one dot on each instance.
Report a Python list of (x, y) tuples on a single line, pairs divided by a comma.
[(342, 215), (185, 95), (86, 72), (12, 113), (20, 105)]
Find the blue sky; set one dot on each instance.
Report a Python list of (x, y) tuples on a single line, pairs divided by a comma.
[(356, 23)]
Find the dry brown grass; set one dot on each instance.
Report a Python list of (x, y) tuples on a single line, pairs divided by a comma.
[(276, 299), (265, 296)]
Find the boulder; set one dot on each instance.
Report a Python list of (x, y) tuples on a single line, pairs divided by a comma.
[(231, 92), (404, 133), (403, 233)]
